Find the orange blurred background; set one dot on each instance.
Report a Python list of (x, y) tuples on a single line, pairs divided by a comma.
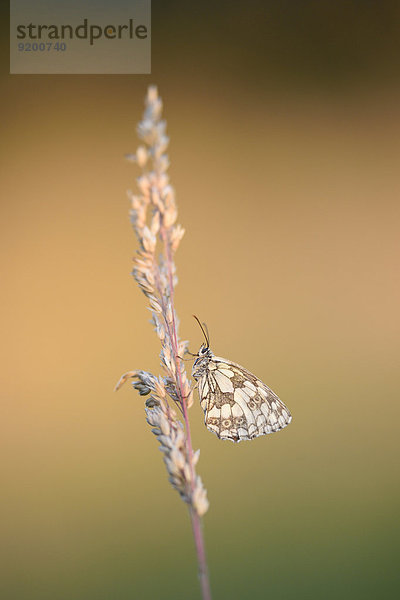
[(284, 124)]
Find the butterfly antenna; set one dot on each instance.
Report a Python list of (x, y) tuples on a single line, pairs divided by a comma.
[(204, 331), (208, 335)]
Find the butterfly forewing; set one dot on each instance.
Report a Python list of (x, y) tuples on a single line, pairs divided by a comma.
[(237, 405)]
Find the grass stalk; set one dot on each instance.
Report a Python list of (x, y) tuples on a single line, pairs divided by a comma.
[(153, 216)]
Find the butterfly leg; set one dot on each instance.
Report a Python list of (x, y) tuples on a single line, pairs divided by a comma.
[(188, 396)]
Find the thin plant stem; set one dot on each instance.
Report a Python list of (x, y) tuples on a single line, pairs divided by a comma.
[(153, 215), (195, 519), (201, 555)]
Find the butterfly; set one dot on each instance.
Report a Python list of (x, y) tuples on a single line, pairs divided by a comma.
[(237, 405)]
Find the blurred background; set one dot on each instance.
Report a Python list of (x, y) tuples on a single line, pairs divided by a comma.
[(284, 121)]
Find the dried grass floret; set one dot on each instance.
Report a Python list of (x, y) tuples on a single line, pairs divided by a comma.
[(153, 216)]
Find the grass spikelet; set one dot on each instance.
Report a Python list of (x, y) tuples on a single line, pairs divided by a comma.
[(153, 216)]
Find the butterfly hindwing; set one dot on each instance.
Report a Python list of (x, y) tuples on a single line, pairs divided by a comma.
[(237, 405)]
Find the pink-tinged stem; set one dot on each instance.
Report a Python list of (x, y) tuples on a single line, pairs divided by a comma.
[(196, 521), (201, 555)]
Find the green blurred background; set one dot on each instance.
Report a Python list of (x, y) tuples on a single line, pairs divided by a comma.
[(284, 119)]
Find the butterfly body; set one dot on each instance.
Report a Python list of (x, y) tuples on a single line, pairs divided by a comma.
[(237, 405)]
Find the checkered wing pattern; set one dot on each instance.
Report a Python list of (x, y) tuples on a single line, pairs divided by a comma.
[(237, 405)]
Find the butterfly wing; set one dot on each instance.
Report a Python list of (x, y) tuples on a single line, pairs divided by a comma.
[(237, 405)]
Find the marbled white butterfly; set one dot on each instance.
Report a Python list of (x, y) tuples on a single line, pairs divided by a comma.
[(237, 405)]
